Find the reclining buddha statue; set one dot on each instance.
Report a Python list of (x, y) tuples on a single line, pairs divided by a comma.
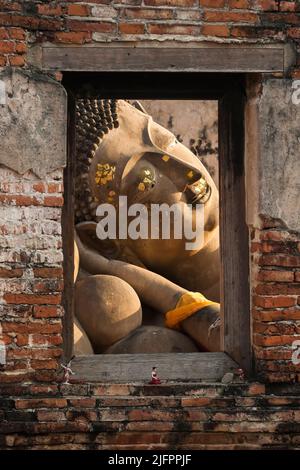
[(141, 294)]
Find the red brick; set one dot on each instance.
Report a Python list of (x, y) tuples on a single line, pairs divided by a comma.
[(294, 33), (27, 328), (11, 272), (2, 61), (49, 10), (48, 286), (230, 16), (83, 402), (16, 33), (6, 339), (215, 30), (23, 404), (175, 3), (43, 364), (281, 18), (18, 200), (173, 29), (14, 378), (91, 26), (278, 340), (78, 10), (7, 47), (30, 22), (277, 315), (239, 4), (287, 5), (266, 5), (10, 5), (256, 31), (212, 3), (78, 37), (271, 276), (48, 272), (21, 47), (275, 328), (278, 235), (280, 260), (46, 312), (277, 354), (42, 389), (196, 401), (276, 301), (32, 299), (22, 340), (44, 415), (131, 28), (3, 33), (30, 353), (147, 13), (53, 201), (38, 339), (277, 289), (17, 61), (55, 187), (148, 415)]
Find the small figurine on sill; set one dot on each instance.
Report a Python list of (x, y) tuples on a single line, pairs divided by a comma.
[(67, 372), (155, 380), (241, 374)]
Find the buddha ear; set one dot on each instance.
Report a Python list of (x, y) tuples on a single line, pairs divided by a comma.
[(138, 105)]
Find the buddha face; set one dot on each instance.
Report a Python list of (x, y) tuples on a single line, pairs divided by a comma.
[(143, 161)]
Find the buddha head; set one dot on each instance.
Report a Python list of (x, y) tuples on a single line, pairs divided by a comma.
[(121, 151)]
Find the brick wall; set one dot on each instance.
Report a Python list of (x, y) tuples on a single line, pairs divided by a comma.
[(31, 275), (182, 416), (36, 411), (78, 22)]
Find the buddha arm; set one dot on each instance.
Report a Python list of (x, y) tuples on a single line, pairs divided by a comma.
[(154, 290)]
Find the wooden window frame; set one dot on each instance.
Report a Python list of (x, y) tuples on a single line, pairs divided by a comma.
[(229, 90)]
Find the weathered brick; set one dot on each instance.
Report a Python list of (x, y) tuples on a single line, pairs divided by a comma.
[(278, 289), (83, 402), (147, 13), (4, 33), (277, 315), (23, 404), (230, 16), (49, 10), (43, 364), (78, 10), (212, 3), (92, 26), (32, 299), (131, 28), (260, 340), (274, 275), (173, 29), (16, 33), (7, 47), (175, 3), (44, 415), (215, 30), (239, 4), (8, 272), (46, 312), (274, 301), (78, 37)]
